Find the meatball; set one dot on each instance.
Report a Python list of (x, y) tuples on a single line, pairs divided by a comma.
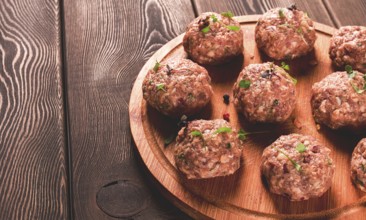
[(297, 167), (207, 148), (213, 38), (339, 100), (284, 33), (265, 93), (348, 47), (358, 165), (180, 87)]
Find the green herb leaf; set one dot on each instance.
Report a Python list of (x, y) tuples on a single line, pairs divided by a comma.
[(196, 134), (363, 168), (296, 165), (205, 29), (214, 18), (233, 28), (281, 14), (301, 148), (169, 140), (350, 71), (242, 135), (285, 66), (299, 31), (228, 145), (223, 130), (227, 14), (244, 84), (359, 91), (156, 67), (160, 86), (294, 80)]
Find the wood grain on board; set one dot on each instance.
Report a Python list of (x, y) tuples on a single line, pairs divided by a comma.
[(315, 8), (107, 43), (347, 12), (33, 154), (244, 194)]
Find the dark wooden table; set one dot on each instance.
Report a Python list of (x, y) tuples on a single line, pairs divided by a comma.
[(66, 72)]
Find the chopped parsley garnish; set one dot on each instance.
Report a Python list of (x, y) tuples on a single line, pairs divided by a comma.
[(242, 135), (160, 87), (196, 134), (169, 69), (244, 84), (350, 71), (214, 18), (223, 130), (357, 90), (205, 29), (281, 14), (301, 148), (363, 168), (233, 28), (294, 81), (169, 140), (296, 165), (227, 14), (285, 66), (299, 31), (228, 145), (156, 67)]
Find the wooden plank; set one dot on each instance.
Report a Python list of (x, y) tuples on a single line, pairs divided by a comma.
[(347, 12), (315, 8), (107, 43), (33, 160)]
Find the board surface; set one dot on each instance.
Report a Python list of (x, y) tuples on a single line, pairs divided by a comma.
[(245, 194)]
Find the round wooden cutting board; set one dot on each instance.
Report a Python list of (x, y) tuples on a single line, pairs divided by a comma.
[(244, 195)]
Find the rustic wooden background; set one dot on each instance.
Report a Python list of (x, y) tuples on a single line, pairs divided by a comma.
[(66, 72)]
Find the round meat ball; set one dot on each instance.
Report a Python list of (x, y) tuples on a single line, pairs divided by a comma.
[(265, 93), (213, 38), (297, 167), (284, 33), (348, 47), (180, 87), (338, 101), (207, 148), (358, 165)]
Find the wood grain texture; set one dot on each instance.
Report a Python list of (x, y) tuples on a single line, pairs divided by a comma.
[(244, 195), (315, 8), (33, 170), (347, 12), (107, 42)]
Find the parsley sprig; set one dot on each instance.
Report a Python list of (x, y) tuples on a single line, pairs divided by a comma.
[(223, 130), (296, 165), (156, 66), (244, 84), (301, 148)]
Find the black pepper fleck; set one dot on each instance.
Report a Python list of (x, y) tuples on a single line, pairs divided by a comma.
[(226, 99)]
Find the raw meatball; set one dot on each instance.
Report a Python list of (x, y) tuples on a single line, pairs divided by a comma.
[(212, 38), (297, 167), (265, 93), (348, 47), (339, 101), (285, 33), (180, 87), (208, 148), (358, 165)]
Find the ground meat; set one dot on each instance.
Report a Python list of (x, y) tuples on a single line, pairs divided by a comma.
[(336, 103), (285, 34), (180, 87), (216, 44), (208, 148), (358, 165), (297, 167), (348, 47), (270, 97)]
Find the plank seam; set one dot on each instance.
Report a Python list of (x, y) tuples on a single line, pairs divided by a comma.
[(194, 7), (331, 15), (68, 152)]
